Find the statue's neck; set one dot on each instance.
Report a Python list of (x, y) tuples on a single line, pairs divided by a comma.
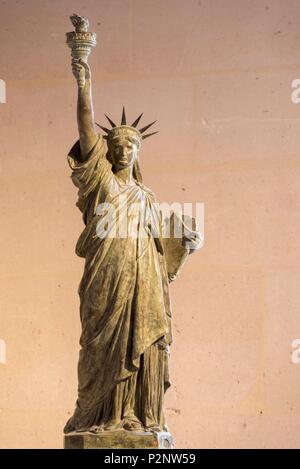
[(125, 175)]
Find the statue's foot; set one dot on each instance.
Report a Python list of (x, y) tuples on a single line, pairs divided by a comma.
[(132, 425), (97, 429)]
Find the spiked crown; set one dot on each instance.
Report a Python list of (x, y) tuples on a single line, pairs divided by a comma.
[(126, 130)]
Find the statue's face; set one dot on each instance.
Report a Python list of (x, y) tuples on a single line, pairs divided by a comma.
[(124, 152)]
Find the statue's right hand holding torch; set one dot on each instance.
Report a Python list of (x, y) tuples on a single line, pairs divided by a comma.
[(82, 72), (81, 42)]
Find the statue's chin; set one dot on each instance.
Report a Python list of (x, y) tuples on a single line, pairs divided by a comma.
[(119, 167)]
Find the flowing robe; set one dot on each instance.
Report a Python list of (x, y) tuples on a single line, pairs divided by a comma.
[(124, 298)]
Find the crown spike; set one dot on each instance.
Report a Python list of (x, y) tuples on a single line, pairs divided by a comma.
[(137, 121), (149, 135), (103, 128), (110, 121), (146, 127), (123, 120)]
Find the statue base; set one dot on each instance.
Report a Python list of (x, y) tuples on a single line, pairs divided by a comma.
[(119, 439)]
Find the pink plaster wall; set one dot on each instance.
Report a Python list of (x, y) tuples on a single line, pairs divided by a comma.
[(217, 75)]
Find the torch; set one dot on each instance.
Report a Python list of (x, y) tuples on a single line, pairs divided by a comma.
[(81, 40)]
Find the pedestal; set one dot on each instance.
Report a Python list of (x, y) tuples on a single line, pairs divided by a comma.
[(119, 439)]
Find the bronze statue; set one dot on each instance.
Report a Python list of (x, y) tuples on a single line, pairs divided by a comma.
[(124, 293)]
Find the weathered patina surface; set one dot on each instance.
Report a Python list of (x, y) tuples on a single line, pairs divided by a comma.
[(124, 292)]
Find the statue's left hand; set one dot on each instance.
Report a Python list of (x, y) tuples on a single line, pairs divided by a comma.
[(171, 277), (193, 241)]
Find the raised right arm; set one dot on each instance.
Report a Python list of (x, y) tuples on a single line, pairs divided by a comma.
[(85, 111)]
